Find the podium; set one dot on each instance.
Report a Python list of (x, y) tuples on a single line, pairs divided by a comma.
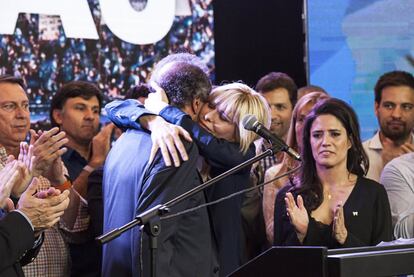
[(371, 261), (321, 262), (286, 261)]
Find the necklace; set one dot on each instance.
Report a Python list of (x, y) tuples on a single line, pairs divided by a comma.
[(336, 190), (327, 194)]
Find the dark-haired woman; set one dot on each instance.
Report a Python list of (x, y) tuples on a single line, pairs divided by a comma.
[(330, 203)]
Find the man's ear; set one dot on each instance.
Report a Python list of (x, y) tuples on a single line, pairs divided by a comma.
[(57, 116), (376, 107), (196, 106)]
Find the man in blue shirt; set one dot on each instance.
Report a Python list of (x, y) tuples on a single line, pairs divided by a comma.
[(75, 109), (132, 185)]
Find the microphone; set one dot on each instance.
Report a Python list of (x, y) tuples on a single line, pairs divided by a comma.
[(251, 123)]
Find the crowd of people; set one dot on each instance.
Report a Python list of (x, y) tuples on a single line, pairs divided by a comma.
[(111, 63), (67, 185)]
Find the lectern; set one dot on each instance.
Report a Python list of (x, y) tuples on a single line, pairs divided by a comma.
[(286, 261), (318, 261)]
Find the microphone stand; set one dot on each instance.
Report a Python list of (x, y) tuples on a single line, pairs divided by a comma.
[(150, 218)]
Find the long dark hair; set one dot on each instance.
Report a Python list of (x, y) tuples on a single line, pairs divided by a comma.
[(357, 161)]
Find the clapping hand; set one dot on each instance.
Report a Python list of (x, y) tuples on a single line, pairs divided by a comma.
[(101, 144), (47, 149), (391, 151), (298, 215), (16, 175), (44, 209), (25, 160), (339, 230), (9, 177)]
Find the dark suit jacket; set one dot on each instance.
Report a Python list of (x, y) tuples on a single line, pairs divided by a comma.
[(221, 155), (131, 186), (16, 243), (226, 216)]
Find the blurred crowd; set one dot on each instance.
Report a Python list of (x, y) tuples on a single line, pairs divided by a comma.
[(114, 65), (67, 182)]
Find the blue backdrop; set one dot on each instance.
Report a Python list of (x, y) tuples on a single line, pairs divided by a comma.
[(352, 42)]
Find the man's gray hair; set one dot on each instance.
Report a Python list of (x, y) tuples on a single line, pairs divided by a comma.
[(179, 57), (183, 82)]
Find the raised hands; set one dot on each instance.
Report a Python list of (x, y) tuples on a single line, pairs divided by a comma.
[(43, 210), (25, 160), (9, 177), (17, 174), (391, 151), (298, 215), (101, 144), (339, 230), (26, 155), (47, 149)]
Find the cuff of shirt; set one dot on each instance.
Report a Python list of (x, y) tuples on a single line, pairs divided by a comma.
[(38, 241), (83, 200)]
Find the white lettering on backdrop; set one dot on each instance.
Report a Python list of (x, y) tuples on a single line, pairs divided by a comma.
[(147, 26)]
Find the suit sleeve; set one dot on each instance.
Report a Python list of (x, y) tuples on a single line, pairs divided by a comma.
[(160, 182), (31, 254), (159, 185), (125, 114), (16, 239), (382, 230), (219, 153)]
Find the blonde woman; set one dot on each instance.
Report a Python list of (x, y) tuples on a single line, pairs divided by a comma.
[(222, 143), (223, 113)]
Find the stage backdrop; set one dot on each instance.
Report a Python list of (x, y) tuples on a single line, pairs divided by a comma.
[(352, 42), (113, 43)]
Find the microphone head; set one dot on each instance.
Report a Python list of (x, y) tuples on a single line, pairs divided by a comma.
[(249, 122)]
